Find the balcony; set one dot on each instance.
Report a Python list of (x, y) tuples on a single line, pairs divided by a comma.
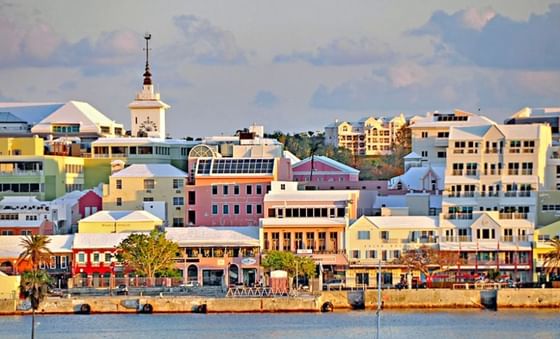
[(456, 238), (514, 238), (22, 173), (457, 172), (493, 172), (489, 194), (513, 215), (471, 173), (491, 151), (458, 216)]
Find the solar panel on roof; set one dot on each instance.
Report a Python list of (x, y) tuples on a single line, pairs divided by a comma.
[(235, 166)]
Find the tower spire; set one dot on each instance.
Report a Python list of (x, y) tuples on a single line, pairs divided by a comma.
[(147, 74)]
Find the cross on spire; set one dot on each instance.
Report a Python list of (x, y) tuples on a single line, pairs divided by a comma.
[(147, 74)]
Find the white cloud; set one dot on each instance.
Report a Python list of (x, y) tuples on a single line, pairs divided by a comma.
[(343, 51)]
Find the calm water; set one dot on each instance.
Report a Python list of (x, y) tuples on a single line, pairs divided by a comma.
[(395, 324)]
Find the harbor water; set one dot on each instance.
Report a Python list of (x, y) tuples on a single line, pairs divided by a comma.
[(519, 323)]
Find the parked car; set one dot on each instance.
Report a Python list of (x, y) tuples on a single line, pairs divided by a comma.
[(122, 290), (337, 284)]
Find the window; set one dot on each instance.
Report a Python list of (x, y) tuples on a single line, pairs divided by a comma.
[(192, 197), (235, 209), (63, 262), (283, 187), (225, 209), (225, 189), (424, 154), (385, 235), (178, 222), (177, 184), (424, 134), (149, 184), (249, 189), (363, 235), (95, 257), (178, 201), (236, 189), (148, 199), (356, 254), (259, 189), (396, 254), (441, 154), (81, 257), (52, 263), (26, 232), (108, 257), (371, 254), (259, 209), (214, 209), (119, 184), (119, 201), (214, 189), (249, 209)]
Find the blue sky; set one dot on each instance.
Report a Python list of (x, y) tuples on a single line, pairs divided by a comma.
[(291, 65)]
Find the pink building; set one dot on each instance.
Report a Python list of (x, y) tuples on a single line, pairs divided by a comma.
[(89, 203), (230, 191), (323, 169)]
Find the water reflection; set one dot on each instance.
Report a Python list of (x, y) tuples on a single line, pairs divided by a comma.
[(358, 324)]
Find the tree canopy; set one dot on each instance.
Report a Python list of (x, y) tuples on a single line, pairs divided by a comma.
[(148, 254), (428, 260), (552, 258), (35, 250), (287, 261)]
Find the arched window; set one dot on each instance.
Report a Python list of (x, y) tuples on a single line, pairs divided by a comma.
[(233, 274), (192, 273)]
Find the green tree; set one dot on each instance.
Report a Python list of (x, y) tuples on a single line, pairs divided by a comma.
[(148, 254), (552, 258), (428, 260), (35, 250), (289, 262), (33, 286)]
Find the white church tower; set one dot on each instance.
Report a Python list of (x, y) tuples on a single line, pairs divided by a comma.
[(147, 111)]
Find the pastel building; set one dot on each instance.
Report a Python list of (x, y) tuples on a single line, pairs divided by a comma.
[(371, 240), (108, 221), (58, 266), (323, 169), (131, 187), (311, 223), (542, 246), (368, 136), (229, 191), (218, 256), (26, 170)]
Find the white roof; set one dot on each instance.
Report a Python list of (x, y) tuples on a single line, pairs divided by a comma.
[(15, 200), (390, 201), (149, 171), (331, 195), (214, 236), (113, 216), (21, 223), (413, 178), (430, 120), (412, 155), (75, 112), (140, 141), (293, 159), (302, 221), (98, 240), (10, 245), (331, 162), (523, 132), (404, 222)]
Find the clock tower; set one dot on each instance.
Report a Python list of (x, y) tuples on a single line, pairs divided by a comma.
[(147, 111)]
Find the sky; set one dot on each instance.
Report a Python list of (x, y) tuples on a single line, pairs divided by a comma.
[(290, 65)]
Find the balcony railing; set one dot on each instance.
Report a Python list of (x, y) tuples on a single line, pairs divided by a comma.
[(21, 173), (457, 172), (471, 173), (493, 172), (458, 216), (456, 238), (491, 150), (514, 238), (513, 215)]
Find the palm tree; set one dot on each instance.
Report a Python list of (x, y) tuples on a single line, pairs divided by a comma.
[(552, 258), (34, 285), (35, 250)]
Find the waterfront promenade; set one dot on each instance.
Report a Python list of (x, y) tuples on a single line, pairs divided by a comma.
[(340, 300)]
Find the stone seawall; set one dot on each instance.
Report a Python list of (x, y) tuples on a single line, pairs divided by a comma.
[(392, 299)]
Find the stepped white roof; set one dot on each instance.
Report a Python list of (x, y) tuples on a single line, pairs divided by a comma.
[(10, 245), (98, 240), (214, 236), (149, 171), (114, 216), (330, 162)]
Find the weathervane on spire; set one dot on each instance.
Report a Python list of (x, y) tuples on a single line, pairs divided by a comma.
[(147, 74)]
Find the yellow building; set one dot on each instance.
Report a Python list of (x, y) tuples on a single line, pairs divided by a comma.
[(22, 146), (541, 246), (371, 239), (9, 286), (132, 187), (119, 222)]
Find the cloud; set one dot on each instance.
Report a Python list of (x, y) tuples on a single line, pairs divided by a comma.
[(341, 52), (38, 45), (439, 87), (265, 99), (491, 40), (207, 44), (68, 85)]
